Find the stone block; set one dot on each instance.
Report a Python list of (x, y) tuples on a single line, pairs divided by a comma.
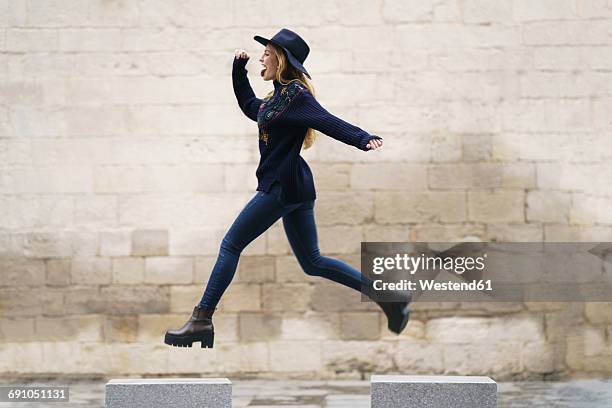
[(87, 328), (475, 330), (134, 299), (276, 240), (17, 330), (310, 326), (47, 244), (496, 206), (333, 297), (357, 356), (286, 297), (419, 356), (259, 326), (360, 325), (388, 176), (394, 391), (115, 243), (392, 208), (599, 312), (58, 272), (22, 272), (203, 268), (91, 271), (335, 208), (169, 392), (128, 270), (289, 270), (84, 300), (241, 297), (329, 242), (150, 243), (20, 301), (255, 269), (165, 270), (295, 356), (548, 206), (184, 298), (120, 329)]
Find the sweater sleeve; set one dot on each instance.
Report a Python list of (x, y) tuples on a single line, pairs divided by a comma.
[(305, 110), (248, 102)]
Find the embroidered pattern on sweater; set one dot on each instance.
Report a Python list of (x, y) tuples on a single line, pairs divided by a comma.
[(272, 106)]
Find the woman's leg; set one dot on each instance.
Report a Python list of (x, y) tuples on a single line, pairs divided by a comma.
[(302, 234), (255, 218)]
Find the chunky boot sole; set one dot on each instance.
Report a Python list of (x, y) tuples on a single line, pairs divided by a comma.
[(206, 339), (398, 322)]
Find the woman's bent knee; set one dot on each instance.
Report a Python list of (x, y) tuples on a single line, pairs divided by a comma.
[(228, 246), (312, 266)]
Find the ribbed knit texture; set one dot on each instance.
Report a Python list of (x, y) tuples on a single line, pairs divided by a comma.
[(283, 120)]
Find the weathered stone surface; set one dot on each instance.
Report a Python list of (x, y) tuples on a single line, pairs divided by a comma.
[(242, 297), (177, 392), (120, 329), (58, 271), (17, 329), (168, 270), (22, 272), (295, 356), (599, 312), (91, 271), (134, 299), (128, 270), (115, 243), (310, 326), (286, 297), (256, 269), (360, 325), (86, 328), (259, 326), (392, 391), (353, 358), (150, 243)]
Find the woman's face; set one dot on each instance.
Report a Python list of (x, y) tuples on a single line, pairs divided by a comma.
[(270, 64)]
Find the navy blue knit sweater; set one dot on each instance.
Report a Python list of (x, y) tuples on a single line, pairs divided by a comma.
[(283, 120)]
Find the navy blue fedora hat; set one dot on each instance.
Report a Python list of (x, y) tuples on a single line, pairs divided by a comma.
[(294, 46)]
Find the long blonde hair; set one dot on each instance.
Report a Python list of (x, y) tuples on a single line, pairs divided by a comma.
[(285, 74)]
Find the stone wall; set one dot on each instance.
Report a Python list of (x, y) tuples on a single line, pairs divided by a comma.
[(124, 159)]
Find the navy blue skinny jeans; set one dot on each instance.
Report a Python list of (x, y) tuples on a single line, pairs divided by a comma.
[(261, 212)]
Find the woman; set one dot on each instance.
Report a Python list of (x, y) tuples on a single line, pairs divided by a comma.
[(286, 120)]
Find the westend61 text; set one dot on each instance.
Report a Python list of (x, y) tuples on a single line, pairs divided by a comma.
[(433, 285)]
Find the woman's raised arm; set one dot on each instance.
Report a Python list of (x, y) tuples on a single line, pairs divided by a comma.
[(248, 102)]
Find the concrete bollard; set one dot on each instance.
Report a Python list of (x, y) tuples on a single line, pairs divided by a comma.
[(429, 391), (169, 392)]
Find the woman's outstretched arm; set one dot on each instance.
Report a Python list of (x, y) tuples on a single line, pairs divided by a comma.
[(305, 110), (248, 102)]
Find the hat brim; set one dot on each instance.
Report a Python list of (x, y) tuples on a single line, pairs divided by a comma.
[(292, 60)]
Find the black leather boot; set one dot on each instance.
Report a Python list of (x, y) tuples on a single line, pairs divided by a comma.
[(198, 328), (397, 312)]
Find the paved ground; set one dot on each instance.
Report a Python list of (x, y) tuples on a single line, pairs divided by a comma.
[(595, 393)]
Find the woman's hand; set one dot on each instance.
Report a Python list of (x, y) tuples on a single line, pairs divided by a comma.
[(241, 54), (374, 144)]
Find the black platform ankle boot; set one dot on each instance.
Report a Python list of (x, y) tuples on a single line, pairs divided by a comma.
[(198, 328), (397, 312)]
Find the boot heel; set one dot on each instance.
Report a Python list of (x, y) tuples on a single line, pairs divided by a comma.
[(398, 323), (207, 340)]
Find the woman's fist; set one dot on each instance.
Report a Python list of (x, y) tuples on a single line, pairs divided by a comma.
[(374, 144), (241, 54)]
